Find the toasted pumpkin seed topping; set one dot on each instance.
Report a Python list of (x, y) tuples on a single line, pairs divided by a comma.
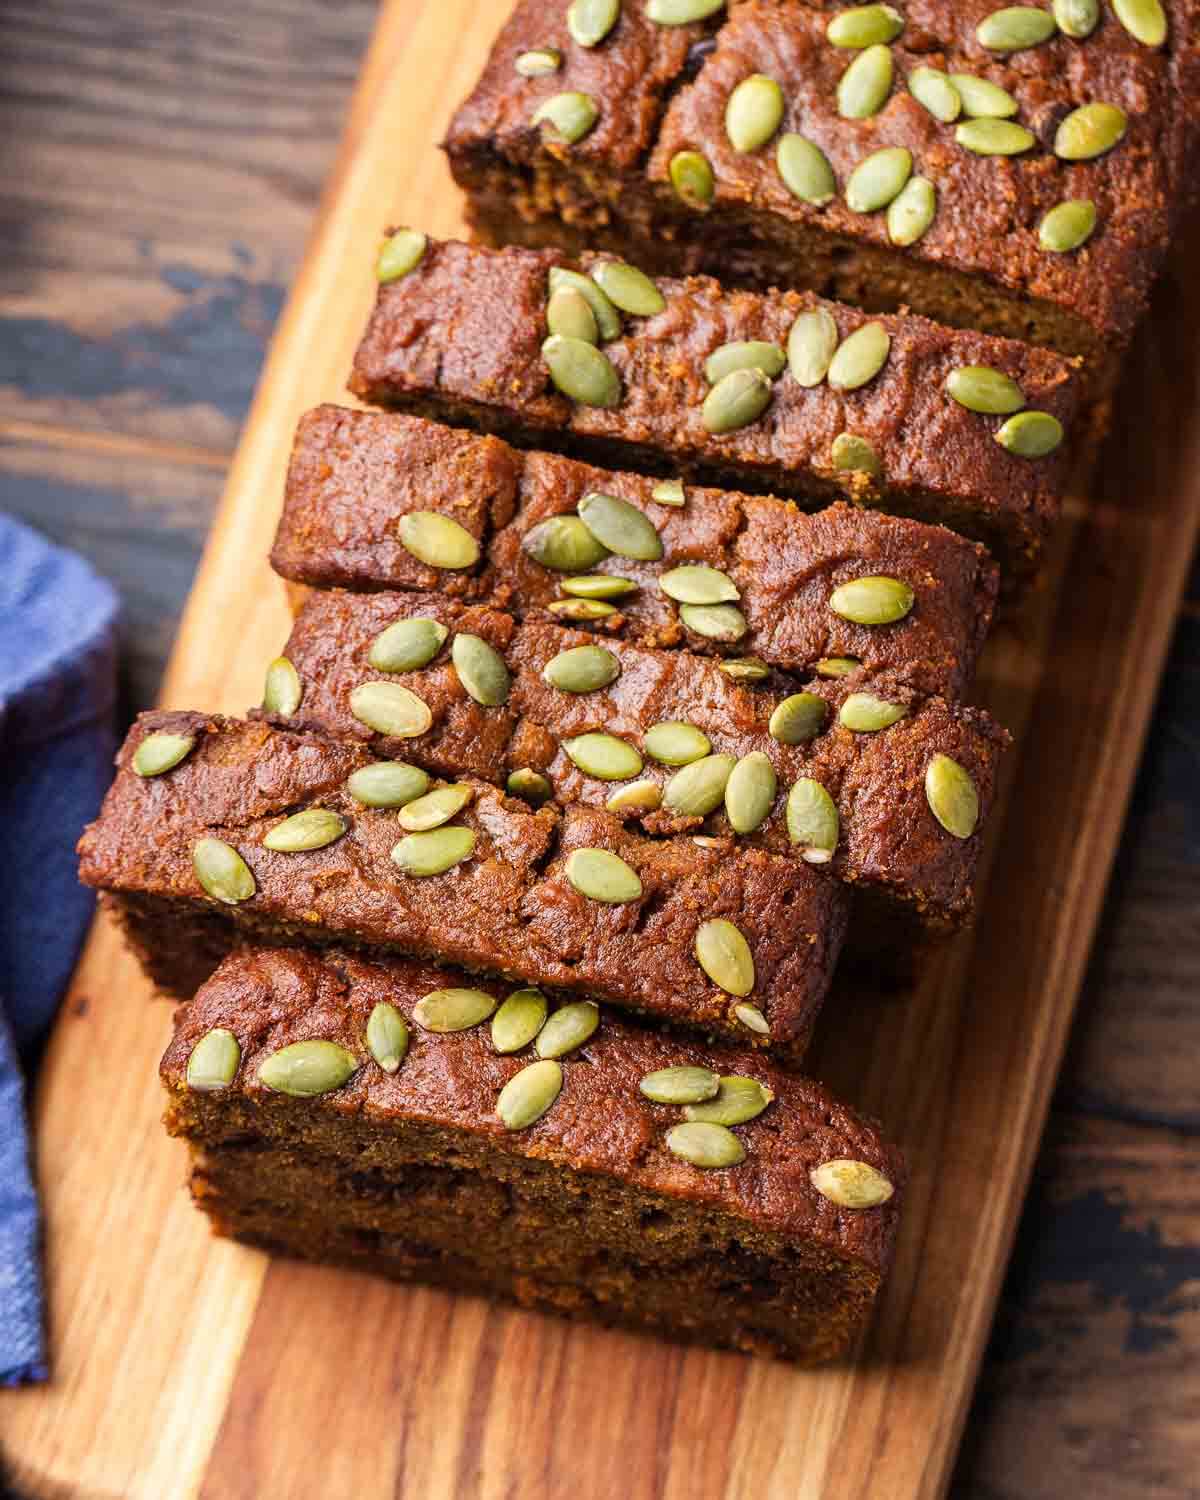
[(590, 21), (387, 783), (952, 797), (601, 875), (434, 852), (222, 871), (851, 1184), (692, 178), (407, 645), (313, 828), (567, 1028), (530, 785), (435, 807), (878, 178), (568, 116), (672, 743), (1077, 18), (608, 319), (982, 389), (933, 90), (518, 1020), (736, 1101), (481, 670), (582, 669), (724, 954), (736, 400), (569, 314), (638, 796), (680, 1085), (836, 666), (307, 1069), (282, 690), (1067, 225), (539, 62), (867, 714), (750, 792), (213, 1062), (161, 752), (745, 668), (812, 821), (1015, 27), (705, 1145), (1144, 20), (860, 357), (864, 26), (1031, 434), (527, 1095), (715, 622), (436, 540), (391, 709), (697, 583), (752, 1018), (628, 288), (805, 169), (681, 12), (620, 527), (850, 453), (753, 113), (1089, 131), (863, 88), (453, 1009), (992, 137), (401, 253), (699, 788), (581, 371), (876, 600), (912, 211), (744, 354), (387, 1037), (599, 586), (812, 342), (669, 492), (564, 544), (982, 99), (798, 718), (604, 756)]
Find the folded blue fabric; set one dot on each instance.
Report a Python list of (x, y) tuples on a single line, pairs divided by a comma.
[(57, 698)]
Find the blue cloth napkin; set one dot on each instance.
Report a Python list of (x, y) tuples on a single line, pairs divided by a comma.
[(57, 698)]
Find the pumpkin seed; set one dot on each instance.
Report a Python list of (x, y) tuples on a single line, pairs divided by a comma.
[(1015, 27), (697, 583), (878, 178), (601, 875), (222, 871), (435, 852), (527, 1095), (581, 609), (387, 1037), (736, 400), (798, 718), (481, 670), (950, 792), (387, 783), (450, 1010), (912, 211), (563, 543), (569, 314), (161, 752), (599, 586), (876, 600), (590, 21), (305, 1069), (568, 1028), (570, 115), (213, 1062), (390, 709), (864, 26), (638, 796), (752, 1019), (435, 807), (812, 343), (745, 668), (518, 1020), (582, 669), (282, 690), (724, 954), (851, 1184), (836, 666), (699, 788), (1030, 434), (990, 137), (581, 371), (313, 828), (812, 821), (680, 1085), (932, 89), (680, 12), (860, 357), (867, 714), (407, 645), (1067, 225), (753, 113), (851, 453), (674, 744), (982, 99), (863, 88), (628, 288), (437, 540), (1144, 20), (981, 388), (750, 792), (400, 253), (805, 169), (1089, 132), (538, 62), (608, 319), (620, 527), (715, 622), (737, 1100), (1078, 18), (704, 1145), (692, 177), (604, 756), (745, 354), (669, 492), (530, 785)]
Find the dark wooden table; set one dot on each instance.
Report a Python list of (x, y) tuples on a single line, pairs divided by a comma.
[(161, 165)]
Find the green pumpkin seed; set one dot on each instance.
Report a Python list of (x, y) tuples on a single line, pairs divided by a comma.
[(878, 178), (697, 583), (994, 137), (681, 12), (608, 319), (581, 371), (604, 756), (876, 600), (620, 527), (799, 718), (863, 88), (704, 1145), (435, 852), (674, 744), (435, 807), (724, 954), (1015, 27), (570, 116), (451, 1010), (387, 1037), (812, 821), (982, 99), (518, 1020), (601, 875), (805, 169), (387, 783), (313, 828), (746, 354), (851, 1184), (680, 1085), (582, 669), (481, 670), (737, 1100), (1067, 225), (305, 1069), (213, 1062), (599, 586), (699, 788), (437, 540), (867, 714), (754, 113), (932, 89), (222, 871), (1030, 434), (854, 454), (563, 543), (750, 792), (950, 792), (812, 343), (638, 796), (1078, 18), (752, 1019), (590, 21), (736, 400), (161, 752), (539, 62), (836, 666), (912, 211), (569, 314), (568, 1028), (860, 357), (692, 178), (282, 690), (1089, 132), (527, 1095), (669, 492), (530, 785), (628, 288), (715, 622), (407, 645), (864, 26), (983, 389), (401, 253), (390, 709), (581, 609), (1144, 20), (745, 668)]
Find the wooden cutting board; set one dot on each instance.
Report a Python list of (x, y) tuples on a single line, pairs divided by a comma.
[(185, 1366)]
